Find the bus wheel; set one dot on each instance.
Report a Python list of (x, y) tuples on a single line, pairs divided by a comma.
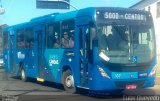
[(68, 82), (23, 75)]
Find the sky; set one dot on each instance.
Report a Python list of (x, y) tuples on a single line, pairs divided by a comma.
[(19, 11)]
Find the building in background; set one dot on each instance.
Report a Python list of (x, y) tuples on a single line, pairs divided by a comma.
[(152, 6), (1, 26)]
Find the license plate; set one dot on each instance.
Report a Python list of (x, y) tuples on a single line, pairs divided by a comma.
[(131, 87)]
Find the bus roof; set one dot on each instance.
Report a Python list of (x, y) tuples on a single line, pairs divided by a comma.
[(74, 14)]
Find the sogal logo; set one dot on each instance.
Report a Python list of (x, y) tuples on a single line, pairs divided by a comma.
[(53, 60)]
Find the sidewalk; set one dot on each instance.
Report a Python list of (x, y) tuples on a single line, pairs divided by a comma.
[(157, 80), (158, 75), (158, 71)]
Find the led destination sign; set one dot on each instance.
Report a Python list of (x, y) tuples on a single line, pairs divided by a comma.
[(124, 16)]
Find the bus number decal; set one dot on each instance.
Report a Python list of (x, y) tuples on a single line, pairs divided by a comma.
[(53, 60), (125, 16), (20, 55)]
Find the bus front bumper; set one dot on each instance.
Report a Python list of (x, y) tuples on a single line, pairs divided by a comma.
[(104, 84)]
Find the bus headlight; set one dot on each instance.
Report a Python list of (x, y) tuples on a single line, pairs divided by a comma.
[(103, 73), (153, 72), (103, 56)]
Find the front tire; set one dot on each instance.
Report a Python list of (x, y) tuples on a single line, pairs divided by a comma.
[(68, 82)]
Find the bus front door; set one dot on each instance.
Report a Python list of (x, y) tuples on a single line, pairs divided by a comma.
[(84, 33)]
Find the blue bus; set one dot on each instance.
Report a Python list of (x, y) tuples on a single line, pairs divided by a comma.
[(96, 48)]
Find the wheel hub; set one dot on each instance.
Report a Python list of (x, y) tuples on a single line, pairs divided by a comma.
[(69, 81), (22, 74)]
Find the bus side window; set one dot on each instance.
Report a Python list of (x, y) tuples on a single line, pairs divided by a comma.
[(67, 39), (29, 36), (50, 38), (53, 34), (56, 35), (20, 39)]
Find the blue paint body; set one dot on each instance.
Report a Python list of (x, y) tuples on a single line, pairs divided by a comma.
[(49, 64)]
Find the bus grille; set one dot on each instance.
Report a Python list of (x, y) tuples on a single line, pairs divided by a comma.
[(127, 68)]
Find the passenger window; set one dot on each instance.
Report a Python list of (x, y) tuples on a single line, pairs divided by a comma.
[(67, 39), (53, 35), (56, 41), (29, 36), (25, 38), (20, 39)]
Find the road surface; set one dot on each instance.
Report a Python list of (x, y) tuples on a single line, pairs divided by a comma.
[(13, 89)]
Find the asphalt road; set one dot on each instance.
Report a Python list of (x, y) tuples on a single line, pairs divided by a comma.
[(13, 89)]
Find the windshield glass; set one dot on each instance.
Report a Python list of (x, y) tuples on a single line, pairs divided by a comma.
[(125, 44)]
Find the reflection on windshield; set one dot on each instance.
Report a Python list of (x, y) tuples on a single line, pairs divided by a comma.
[(123, 43)]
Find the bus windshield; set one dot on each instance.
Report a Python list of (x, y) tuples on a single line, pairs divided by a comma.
[(126, 44)]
